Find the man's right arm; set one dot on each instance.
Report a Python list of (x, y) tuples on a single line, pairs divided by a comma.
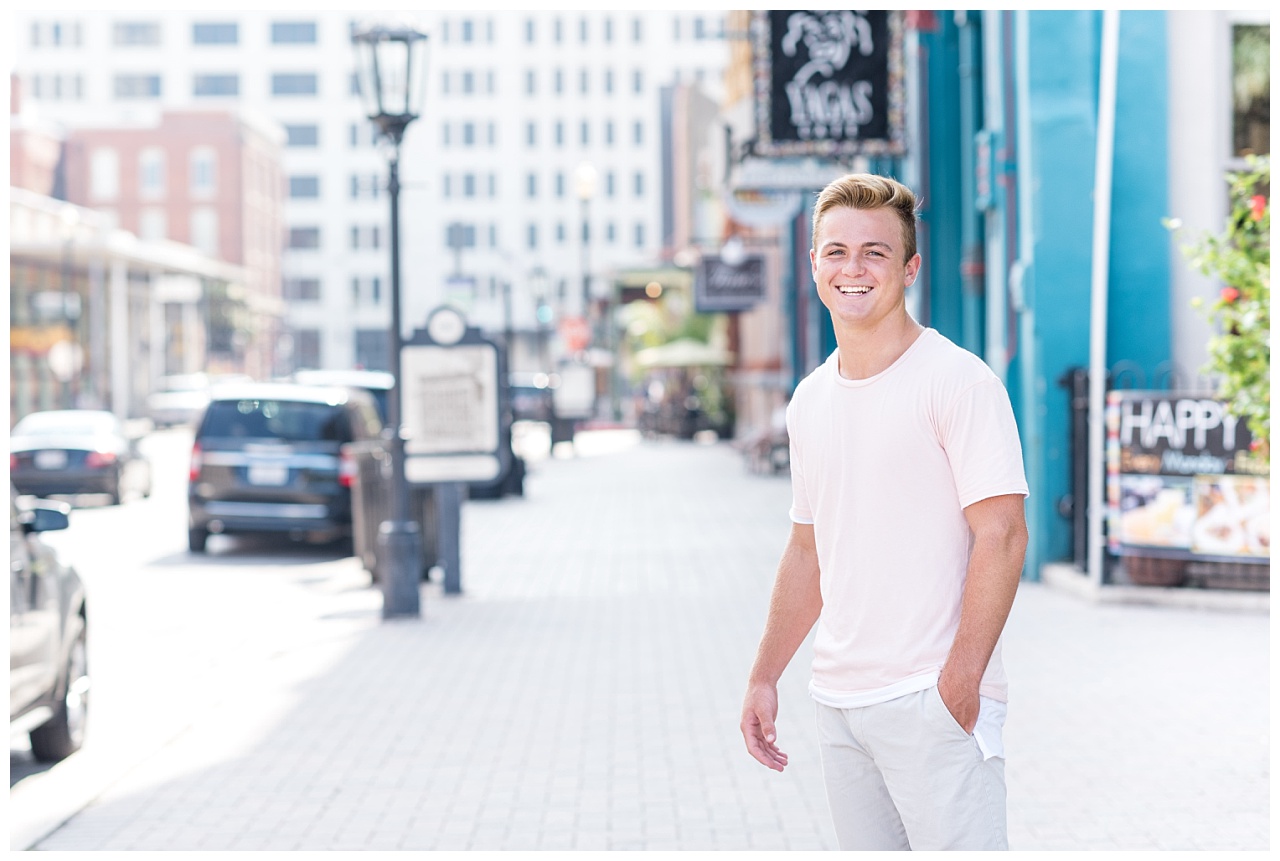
[(793, 610)]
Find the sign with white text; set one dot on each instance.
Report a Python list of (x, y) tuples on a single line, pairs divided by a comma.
[(829, 82)]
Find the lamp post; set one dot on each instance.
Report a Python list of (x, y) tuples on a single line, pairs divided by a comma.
[(391, 63)]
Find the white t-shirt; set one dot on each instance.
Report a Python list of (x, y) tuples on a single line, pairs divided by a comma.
[(883, 468)]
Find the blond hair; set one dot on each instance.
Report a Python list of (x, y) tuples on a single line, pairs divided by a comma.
[(869, 191)]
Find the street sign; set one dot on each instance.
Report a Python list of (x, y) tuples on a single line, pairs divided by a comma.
[(576, 332), (722, 287), (450, 399)]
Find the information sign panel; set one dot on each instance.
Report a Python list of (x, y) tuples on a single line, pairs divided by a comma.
[(451, 417)]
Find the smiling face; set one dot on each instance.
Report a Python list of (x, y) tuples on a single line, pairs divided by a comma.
[(860, 268)]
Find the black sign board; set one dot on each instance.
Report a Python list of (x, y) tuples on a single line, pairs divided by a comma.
[(829, 82), (1182, 480), (721, 287)]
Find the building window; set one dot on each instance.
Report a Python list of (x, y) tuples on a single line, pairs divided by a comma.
[(491, 134), (151, 172), (293, 32), (531, 133), (558, 82), (637, 30), (608, 30), (302, 289), (365, 236), (468, 185), (153, 225), (203, 172), (611, 233), (675, 29), (561, 234), (446, 135), (637, 133), (362, 134), (215, 85), (304, 187), (493, 235), (559, 183), (699, 29), (104, 174), (530, 82), (468, 82), (468, 30), (468, 134), (639, 184), (639, 234), (219, 33), (637, 81), (295, 84), (365, 186), (559, 133), (306, 348), (446, 187), (373, 349), (132, 34), (304, 237), (585, 132), (609, 184), (137, 86), (584, 82), (531, 186), (531, 237), (608, 80), (204, 230), (608, 132), (1251, 89), (556, 32), (302, 136), (444, 82), (528, 31), (582, 30)]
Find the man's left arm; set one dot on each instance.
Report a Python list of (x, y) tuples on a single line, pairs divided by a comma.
[(999, 527)]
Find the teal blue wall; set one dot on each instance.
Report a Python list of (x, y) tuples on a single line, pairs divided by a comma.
[(1139, 318)]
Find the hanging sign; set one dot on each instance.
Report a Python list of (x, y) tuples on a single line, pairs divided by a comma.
[(829, 82), (721, 286)]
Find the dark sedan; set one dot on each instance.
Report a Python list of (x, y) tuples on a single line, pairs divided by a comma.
[(48, 666), (71, 452)]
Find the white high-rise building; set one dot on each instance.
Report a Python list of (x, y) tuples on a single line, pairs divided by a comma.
[(517, 103)]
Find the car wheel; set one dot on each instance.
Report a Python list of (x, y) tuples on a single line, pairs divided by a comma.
[(64, 733), (196, 539)]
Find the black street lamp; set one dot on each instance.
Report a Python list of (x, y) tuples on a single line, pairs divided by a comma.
[(392, 61)]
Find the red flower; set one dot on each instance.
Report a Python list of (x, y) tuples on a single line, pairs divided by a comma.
[(1257, 206), (1230, 294)]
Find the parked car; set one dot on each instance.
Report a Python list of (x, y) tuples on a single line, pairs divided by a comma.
[(377, 383), (76, 451), (278, 457), (48, 628)]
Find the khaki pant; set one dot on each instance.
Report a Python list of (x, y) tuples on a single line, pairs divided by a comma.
[(903, 774)]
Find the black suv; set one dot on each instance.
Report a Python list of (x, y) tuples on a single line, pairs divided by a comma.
[(278, 457)]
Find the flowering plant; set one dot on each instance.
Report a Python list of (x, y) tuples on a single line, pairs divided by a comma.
[(1240, 257)]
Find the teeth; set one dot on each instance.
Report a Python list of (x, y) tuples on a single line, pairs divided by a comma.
[(856, 291)]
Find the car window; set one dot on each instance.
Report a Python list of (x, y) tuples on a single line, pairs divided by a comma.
[(292, 421)]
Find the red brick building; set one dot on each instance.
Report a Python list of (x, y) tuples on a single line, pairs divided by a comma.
[(211, 180)]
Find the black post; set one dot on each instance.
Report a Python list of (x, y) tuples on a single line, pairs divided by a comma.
[(399, 537)]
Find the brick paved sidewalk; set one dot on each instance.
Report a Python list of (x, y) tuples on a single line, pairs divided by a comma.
[(583, 694)]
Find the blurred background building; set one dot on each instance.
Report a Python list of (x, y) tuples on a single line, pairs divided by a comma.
[(594, 185)]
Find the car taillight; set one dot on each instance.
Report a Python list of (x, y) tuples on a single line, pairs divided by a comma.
[(346, 467), (99, 459), (197, 462), (13, 462)]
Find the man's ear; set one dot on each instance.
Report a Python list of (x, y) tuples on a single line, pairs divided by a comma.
[(912, 270)]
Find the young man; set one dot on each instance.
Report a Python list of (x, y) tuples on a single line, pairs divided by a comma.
[(907, 543)]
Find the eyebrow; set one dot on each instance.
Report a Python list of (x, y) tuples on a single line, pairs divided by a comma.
[(874, 243)]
